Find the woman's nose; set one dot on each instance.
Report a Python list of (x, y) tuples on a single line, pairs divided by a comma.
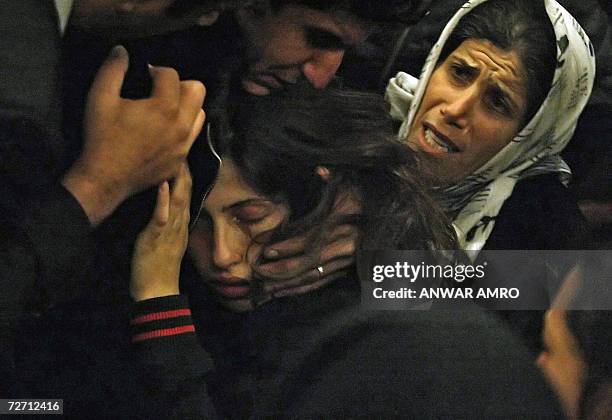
[(322, 67), (458, 107), (226, 252)]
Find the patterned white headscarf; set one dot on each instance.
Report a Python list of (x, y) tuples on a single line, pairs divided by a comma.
[(478, 198)]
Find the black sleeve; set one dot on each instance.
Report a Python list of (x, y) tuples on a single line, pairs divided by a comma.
[(44, 251), (173, 366), (45, 237)]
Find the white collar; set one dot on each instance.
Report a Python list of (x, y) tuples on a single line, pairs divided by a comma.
[(64, 7)]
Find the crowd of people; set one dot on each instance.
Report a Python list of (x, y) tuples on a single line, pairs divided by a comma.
[(191, 187)]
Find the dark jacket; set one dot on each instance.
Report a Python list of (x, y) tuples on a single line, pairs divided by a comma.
[(65, 306), (45, 238), (320, 355)]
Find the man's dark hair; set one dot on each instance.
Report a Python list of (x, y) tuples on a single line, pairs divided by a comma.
[(519, 25), (378, 11)]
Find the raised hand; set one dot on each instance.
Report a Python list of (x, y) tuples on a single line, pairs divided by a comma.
[(160, 247), (291, 270), (131, 145)]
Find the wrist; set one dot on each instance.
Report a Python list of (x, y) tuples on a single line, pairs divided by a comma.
[(98, 199), (139, 296)]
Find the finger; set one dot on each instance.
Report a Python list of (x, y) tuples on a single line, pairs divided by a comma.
[(287, 248), (557, 334), (109, 80), (309, 277), (166, 86), (287, 267), (296, 245), (196, 128), (191, 100), (341, 232), (340, 248), (181, 191), (162, 206)]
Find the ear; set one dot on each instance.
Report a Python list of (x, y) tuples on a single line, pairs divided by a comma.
[(323, 172)]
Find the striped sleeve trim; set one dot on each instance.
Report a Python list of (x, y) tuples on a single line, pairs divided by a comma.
[(161, 317), (162, 333)]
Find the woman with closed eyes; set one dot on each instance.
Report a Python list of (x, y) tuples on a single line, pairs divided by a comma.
[(220, 344)]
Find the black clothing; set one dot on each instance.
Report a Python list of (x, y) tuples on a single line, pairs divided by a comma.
[(540, 214), (319, 355), (65, 305), (42, 265), (45, 237), (54, 269)]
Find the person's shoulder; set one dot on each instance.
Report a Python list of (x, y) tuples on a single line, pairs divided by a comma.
[(430, 364), (541, 213), (540, 190)]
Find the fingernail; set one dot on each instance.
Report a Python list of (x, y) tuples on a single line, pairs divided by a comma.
[(271, 253), (118, 51)]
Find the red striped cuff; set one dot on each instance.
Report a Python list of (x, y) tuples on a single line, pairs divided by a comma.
[(162, 333), (161, 317)]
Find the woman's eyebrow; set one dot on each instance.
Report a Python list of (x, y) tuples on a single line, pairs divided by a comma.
[(464, 64)]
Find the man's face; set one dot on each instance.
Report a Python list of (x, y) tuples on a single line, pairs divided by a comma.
[(134, 18), (297, 41)]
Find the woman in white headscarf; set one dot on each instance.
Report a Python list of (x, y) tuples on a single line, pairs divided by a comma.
[(498, 100)]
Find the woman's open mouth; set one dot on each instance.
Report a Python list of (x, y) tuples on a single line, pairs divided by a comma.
[(432, 141)]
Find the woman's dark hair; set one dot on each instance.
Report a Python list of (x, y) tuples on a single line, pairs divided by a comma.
[(279, 141), (514, 25)]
